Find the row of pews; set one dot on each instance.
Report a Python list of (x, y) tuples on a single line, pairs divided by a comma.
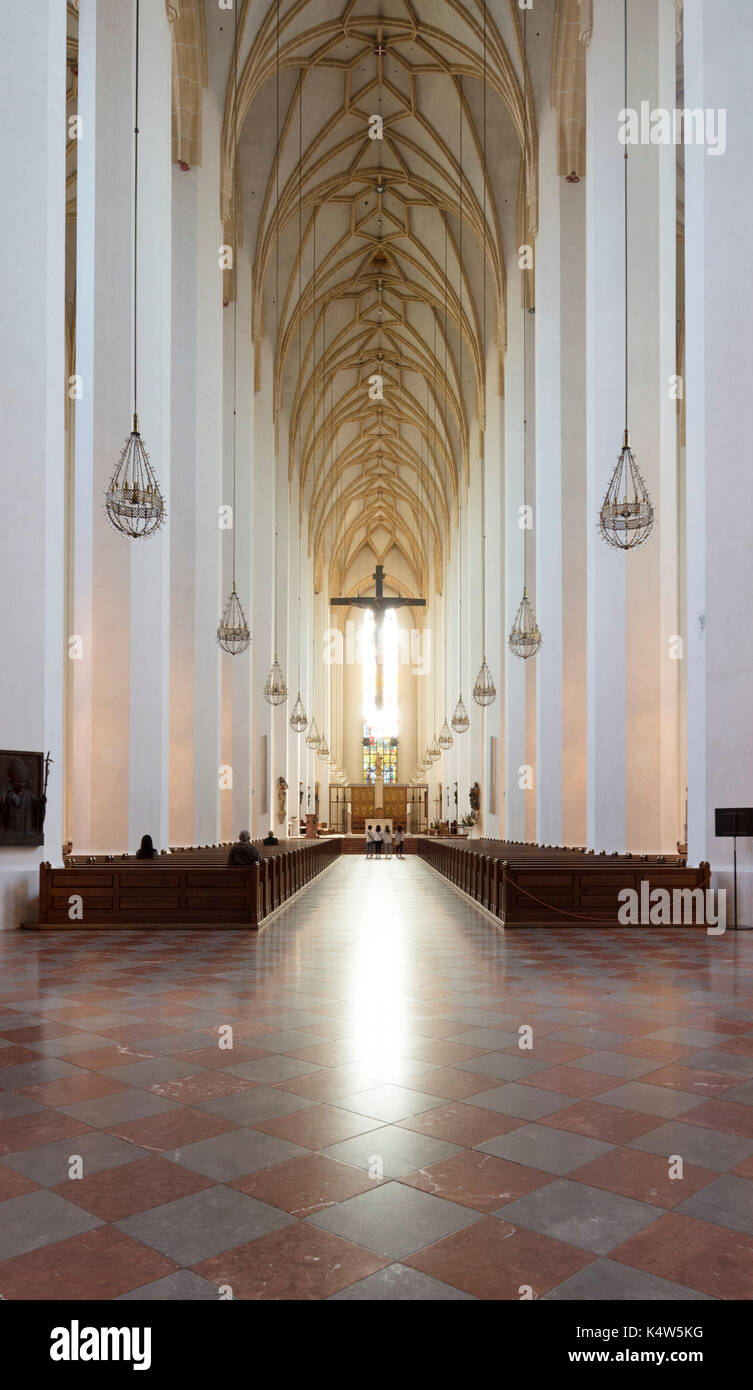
[(525, 885), (187, 888)]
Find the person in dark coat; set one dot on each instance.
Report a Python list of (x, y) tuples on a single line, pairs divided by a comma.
[(270, 839), (146, 849), (243, 853)]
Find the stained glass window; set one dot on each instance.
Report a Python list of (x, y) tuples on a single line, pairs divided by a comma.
[(388, 749)]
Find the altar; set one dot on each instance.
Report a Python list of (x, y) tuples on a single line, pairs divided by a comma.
[(401, 803)]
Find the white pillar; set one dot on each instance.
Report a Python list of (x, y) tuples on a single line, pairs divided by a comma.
[(196, 595), (149, 771), (605, 328), (576, 520), (549, 493), (653, 788), (121, 587), (718, 210), (514, 674), (633, 687), (32, 263)]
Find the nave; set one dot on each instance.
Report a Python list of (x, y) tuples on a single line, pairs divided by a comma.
[(376, 1131)]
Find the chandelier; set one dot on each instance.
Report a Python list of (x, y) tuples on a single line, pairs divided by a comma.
[(626, 518), (298, 716), (233, 634), (323, 749), (525, 638), (460, 721), (133, 502), (275, 689), (312, 737), (434, 751), (445, 737), (484, 691)]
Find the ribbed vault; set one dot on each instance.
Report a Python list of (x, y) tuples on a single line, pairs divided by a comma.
[(379, 258)]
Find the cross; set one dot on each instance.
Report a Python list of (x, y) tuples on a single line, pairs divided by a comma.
[(380, 605)]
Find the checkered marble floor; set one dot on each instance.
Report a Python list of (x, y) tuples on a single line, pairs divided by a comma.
[(376, 1131)]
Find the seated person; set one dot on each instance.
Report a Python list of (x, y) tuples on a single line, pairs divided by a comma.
[(146, 849), (270, 839), (243, 853)]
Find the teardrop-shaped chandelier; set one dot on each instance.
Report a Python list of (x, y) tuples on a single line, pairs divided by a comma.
[(434, 751), (445, 737), (134, 504), (323, 749), (460, 721), (484, 691), (525, 638), (233, 634), (298, 716), (275, 689), (312, 737), (626, 518)]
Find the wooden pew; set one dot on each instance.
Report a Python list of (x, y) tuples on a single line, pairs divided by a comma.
[(531, 885), (176, 891)]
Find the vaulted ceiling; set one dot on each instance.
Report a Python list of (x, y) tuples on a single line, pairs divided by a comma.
[(383, 257)]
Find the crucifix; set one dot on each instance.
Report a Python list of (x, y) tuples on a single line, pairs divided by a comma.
[(379, 604)]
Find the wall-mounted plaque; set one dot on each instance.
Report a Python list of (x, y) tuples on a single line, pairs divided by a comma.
[(23, 797)]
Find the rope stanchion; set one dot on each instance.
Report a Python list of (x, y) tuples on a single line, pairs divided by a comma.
[(561, 911)]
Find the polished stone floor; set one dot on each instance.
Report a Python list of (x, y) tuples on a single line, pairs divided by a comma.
[(376, 1131)]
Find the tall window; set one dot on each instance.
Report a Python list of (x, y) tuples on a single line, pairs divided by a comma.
[(380, 720)]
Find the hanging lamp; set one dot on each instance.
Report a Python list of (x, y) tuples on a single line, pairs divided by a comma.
[(525, 639), (445, 737), (434, 750), (275, 689), (460, 721), (484, 690), (626, 519), (134, 504), (312, 737), (233, 633), (298, 716), (275, 686)]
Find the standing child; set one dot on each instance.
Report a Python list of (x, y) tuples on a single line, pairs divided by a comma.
[(399, 841), (387, 842), (369, 841), (378, 837)]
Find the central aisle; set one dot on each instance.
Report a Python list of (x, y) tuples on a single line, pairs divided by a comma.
[(376, 1131)]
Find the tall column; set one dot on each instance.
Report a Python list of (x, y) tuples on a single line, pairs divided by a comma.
[(239, 668), (514, 674), (549, 492), (718, 55), (653, 788), (32, 263), (576, 520), (605, 329), (149, 764), (633, 687), (196, 596), (121, 588), (493, 804)]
